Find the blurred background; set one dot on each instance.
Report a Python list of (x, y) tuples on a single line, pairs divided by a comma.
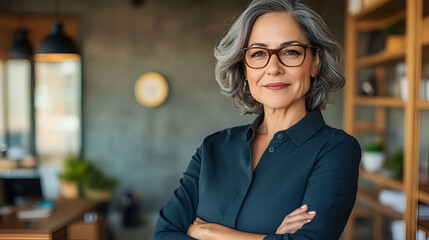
[(60, 111)]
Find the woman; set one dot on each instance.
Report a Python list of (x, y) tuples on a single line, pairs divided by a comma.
[(288, 175)]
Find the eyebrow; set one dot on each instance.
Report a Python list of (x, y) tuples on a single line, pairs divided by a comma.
[(281, 45)]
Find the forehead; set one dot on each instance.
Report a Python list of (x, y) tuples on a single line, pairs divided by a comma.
[(273, 29)]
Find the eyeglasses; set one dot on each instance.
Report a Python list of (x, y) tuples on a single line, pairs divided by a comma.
[(289, 55)]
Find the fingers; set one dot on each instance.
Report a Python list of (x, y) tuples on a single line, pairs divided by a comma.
[(295, 220), (199, 220), (195, 229), (290, 228), (299, 210), (296, 212)]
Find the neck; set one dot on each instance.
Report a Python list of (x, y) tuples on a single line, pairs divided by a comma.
[(280, 119)]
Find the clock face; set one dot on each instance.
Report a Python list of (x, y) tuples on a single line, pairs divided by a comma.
[(151, 89)]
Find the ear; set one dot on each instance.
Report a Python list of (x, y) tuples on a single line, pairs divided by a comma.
[(315, 64)]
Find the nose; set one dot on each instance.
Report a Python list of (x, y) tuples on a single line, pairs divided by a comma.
[(274, 66)]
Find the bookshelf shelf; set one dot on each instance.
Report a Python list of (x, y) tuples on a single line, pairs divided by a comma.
[(423, 104), (380, 101), (369, 197), (424, 226), (378, 10), (424, 193), (382, 181), (383, 57)]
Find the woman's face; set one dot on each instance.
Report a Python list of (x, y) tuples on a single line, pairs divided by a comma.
[(277, 86)]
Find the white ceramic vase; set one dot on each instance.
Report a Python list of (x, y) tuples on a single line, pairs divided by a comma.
[(372, 161)]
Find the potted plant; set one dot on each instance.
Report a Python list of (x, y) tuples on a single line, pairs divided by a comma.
[(395, 39), (373, 157), (97, 185), (72, 174), (396, 164), (80, 176)]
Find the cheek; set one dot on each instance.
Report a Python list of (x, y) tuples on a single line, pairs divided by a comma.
[(304, 75), (306, 84), (253, 75)]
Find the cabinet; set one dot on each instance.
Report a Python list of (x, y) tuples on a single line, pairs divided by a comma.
[(62, 224), (413, 16)]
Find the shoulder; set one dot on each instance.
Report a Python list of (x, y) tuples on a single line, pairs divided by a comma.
[(337, 136), (339, 142), (228, 134)]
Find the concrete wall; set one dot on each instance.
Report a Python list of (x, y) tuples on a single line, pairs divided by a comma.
[(148, 149)]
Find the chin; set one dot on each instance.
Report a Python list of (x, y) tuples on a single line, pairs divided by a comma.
[(282, 104)]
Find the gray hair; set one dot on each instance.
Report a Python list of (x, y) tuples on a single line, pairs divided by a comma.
[(230, 70)]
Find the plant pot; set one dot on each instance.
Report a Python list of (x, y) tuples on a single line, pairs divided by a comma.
[(395, 43), (372, 161), (69, 189), (98, 194)]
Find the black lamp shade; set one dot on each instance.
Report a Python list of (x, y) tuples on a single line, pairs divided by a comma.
[(21, 47), (57, 42)]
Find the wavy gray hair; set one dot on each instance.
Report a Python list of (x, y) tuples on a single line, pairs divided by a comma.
[(230, 70)]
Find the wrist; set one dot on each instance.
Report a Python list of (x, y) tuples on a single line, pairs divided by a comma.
[(213, 231), (210, 232)]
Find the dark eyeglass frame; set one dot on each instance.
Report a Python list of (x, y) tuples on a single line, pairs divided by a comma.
[(276, 52)]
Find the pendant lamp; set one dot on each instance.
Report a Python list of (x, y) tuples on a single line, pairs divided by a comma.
[(21, 47), (57, 46), (58, 96)]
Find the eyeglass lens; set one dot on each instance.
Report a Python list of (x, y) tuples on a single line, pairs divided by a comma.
[(290, 56)]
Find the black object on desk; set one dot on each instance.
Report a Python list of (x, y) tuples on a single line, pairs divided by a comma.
[(15, 189)]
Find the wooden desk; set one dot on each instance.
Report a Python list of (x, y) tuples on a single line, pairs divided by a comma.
[(54, 227)]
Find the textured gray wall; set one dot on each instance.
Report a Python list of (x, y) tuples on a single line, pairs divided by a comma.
[(148, 149)]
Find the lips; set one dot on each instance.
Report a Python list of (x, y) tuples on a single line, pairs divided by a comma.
[(276, 86)]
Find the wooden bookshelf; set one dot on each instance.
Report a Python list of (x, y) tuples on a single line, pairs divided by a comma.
[(378, 16)]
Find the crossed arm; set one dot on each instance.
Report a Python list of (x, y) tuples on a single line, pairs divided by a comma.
[(331, 191), (202, 230)]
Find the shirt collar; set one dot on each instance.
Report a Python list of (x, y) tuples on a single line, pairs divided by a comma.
[(306, 127), (300, 132), (254, 126)]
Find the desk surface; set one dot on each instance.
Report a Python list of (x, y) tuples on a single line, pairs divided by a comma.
[(65, 212)]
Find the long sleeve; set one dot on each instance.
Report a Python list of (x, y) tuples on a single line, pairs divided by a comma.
[(180, 212), (331, 190)]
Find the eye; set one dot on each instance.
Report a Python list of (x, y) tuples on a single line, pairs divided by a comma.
[(292, 51), (257, 53)]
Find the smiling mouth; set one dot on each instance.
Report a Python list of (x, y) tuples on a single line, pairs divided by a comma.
[(276, 86)]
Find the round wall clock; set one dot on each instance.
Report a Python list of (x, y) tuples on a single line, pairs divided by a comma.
[(151, 89)]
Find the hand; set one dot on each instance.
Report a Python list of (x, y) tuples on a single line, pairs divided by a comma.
[(295, 220), (203, 230), (197, 228)]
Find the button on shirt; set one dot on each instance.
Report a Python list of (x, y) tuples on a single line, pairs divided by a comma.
[(309, 163)]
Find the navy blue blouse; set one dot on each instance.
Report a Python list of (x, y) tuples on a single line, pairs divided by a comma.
[(309, 163)]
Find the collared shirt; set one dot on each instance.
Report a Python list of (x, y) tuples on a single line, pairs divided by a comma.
[(309, 163)]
